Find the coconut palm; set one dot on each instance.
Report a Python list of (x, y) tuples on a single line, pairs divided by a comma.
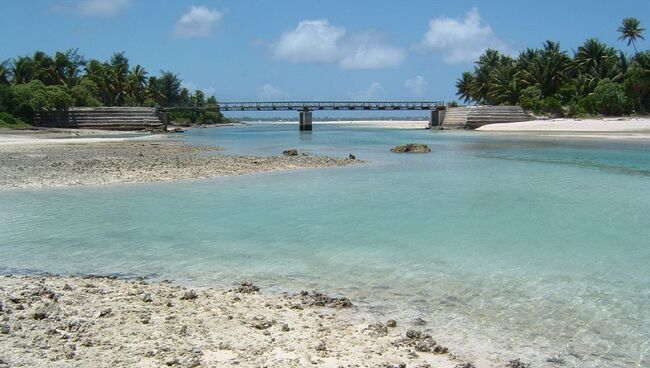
[(119, 71), (68, 66), (596, 61), (465, 87), (44, 69), (546, 68), (505, 86), (137, 82), (169, 86), (4, 72), (22, 70), (631, 31), (99, 73)]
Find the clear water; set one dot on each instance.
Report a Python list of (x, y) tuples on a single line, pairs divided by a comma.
[(509, 246)]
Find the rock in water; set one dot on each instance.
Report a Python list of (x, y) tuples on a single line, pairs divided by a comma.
[(290, 152), (352, 157), (411, 148)]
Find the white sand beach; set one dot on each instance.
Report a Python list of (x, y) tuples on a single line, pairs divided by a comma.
[(635, 127)]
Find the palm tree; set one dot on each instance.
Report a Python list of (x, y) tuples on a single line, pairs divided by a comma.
[(119, 69), (546, 68), (98, 72), (630, 30), (505, 87), (596, 61), (169, 86), (22, 70), (68, 67), (137, 81), (44, 69), (465, 86), (4, 72)]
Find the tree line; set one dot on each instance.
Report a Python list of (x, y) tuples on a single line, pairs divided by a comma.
[(595, 79), (42, 82)]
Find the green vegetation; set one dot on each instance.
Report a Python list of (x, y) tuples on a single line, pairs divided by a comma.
[(595, 80), (9, 121), (40, 82)]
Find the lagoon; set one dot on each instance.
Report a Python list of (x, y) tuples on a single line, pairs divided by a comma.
[(506, 244)]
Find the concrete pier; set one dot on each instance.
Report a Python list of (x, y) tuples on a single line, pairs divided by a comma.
[(305, 120), (436, 118)]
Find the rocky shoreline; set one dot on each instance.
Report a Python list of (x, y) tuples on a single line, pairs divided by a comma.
[(133, 161), (68, 321)]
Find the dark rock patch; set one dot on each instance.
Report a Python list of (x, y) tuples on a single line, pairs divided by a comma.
[(377, 329), (517, 364), (465, 365), (421, 342), (246, 287), (189, 295), (411, 148), (316, 299), (290, 152)]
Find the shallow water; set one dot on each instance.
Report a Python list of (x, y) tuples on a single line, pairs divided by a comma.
[(507, 245)]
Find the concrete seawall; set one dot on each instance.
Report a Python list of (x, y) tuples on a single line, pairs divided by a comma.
[(107, 118)]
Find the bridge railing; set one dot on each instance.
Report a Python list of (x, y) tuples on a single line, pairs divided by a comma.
[(330, 105)]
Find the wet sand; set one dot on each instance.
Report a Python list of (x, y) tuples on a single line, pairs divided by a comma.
[(108, 322), (46, 160)]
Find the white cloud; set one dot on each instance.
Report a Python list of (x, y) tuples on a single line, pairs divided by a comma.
[(417, 85), (269, 93), (210, 91), (311, 41), (317, 41), (192, 87), (199, 21), (374, 92), (94, 7), (463, 40), (370, 52)]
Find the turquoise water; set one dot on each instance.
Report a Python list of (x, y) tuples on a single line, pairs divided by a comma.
[(509, 246)]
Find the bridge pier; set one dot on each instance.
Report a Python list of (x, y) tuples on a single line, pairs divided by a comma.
[(305, 120), (436, 118)]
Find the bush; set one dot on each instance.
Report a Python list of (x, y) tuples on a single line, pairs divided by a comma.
[(35, 96), (9, 121), (574, 109), (531, 99), (608, 98), (190, 117), (84, 94), (6, 98), (552, 105)]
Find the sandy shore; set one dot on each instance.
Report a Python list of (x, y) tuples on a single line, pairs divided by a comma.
[(58, 321), (614, 127), (35, 160)]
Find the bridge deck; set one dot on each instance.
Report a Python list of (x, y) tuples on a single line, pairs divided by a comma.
[(324, 105)]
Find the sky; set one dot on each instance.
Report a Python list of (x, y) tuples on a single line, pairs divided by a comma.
[(246, 50)]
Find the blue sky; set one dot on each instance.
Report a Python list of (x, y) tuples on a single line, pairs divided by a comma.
[(273, 50)]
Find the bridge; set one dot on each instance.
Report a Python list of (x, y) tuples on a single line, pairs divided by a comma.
[(305, 108)]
